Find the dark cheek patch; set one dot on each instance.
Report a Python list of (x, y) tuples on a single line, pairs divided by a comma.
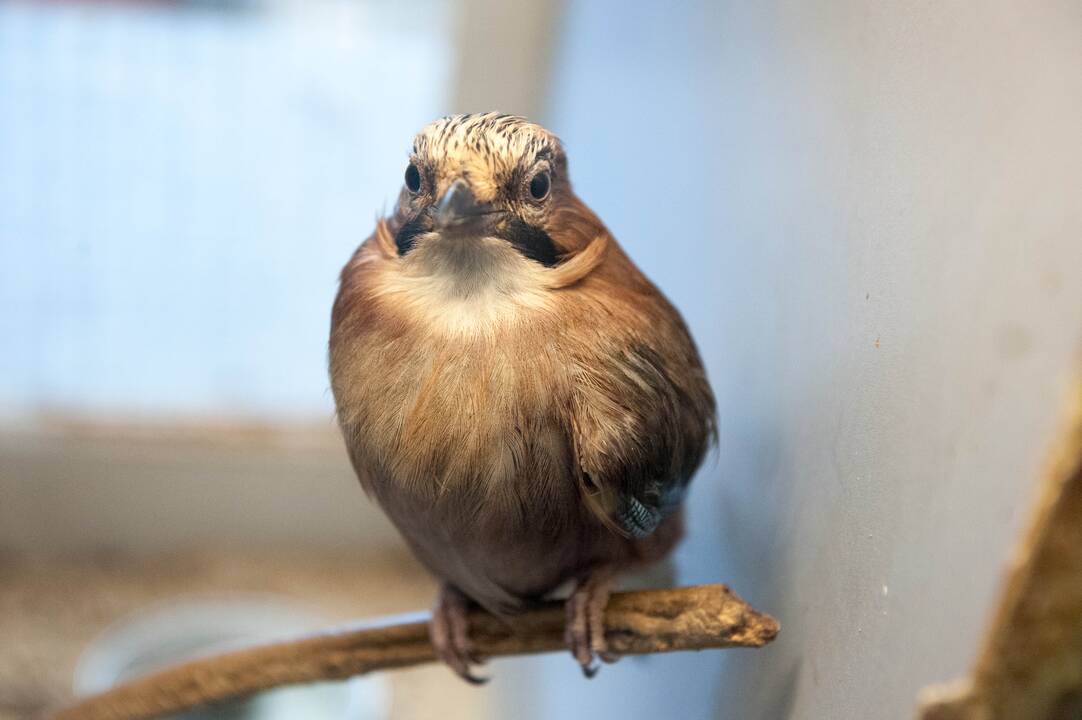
[(531, 241), (408, 233)]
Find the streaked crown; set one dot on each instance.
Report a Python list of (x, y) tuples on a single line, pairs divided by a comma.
[(488, 150)]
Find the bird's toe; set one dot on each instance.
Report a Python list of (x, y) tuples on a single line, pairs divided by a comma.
[(585, 632), (449, 633)]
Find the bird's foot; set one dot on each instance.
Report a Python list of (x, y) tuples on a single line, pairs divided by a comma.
[(586, 620), (449, 633)]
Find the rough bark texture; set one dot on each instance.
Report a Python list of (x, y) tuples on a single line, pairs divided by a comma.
[(691, 618), (1031, 664)]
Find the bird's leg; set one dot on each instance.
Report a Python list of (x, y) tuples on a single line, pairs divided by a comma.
[(449, 633), (586, 619)]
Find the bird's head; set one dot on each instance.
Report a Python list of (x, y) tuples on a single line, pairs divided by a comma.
[(489, 184)]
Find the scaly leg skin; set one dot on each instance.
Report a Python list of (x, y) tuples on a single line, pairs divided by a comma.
[(449, 633), (586, 619)]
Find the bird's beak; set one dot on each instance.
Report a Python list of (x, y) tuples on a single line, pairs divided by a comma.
[(458, 206)]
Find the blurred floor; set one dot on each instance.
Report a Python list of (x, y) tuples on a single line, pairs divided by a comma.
[(102, 520), (52, 606)]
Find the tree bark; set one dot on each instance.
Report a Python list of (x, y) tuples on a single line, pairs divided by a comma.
[(637, 623)]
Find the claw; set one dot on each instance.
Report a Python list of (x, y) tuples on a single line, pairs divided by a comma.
[(586, 621), (472, 679), (449, 632)]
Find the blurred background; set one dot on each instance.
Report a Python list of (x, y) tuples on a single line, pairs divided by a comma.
[(869, 214)]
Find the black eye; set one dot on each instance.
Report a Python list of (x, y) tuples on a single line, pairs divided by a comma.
[(539, 186), (413, 178)]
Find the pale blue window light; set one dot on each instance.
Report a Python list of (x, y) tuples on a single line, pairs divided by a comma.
[(179, 186)]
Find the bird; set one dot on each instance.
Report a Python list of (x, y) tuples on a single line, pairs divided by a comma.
[(525, 406)]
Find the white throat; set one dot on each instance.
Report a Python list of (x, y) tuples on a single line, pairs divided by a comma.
[(468, 285)]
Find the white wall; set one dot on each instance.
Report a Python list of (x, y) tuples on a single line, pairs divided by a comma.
[(871, 216)]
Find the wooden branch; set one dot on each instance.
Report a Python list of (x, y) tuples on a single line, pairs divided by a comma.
[(636, 623)]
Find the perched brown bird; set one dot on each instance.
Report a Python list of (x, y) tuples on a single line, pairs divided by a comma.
[(522, 402)]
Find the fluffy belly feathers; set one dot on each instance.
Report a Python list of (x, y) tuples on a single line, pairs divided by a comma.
[(468, 452)]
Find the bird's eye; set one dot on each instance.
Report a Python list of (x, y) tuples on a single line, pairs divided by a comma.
[(413, 178), (539, 186)]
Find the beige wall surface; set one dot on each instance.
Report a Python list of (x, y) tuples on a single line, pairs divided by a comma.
[(151, 487)]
